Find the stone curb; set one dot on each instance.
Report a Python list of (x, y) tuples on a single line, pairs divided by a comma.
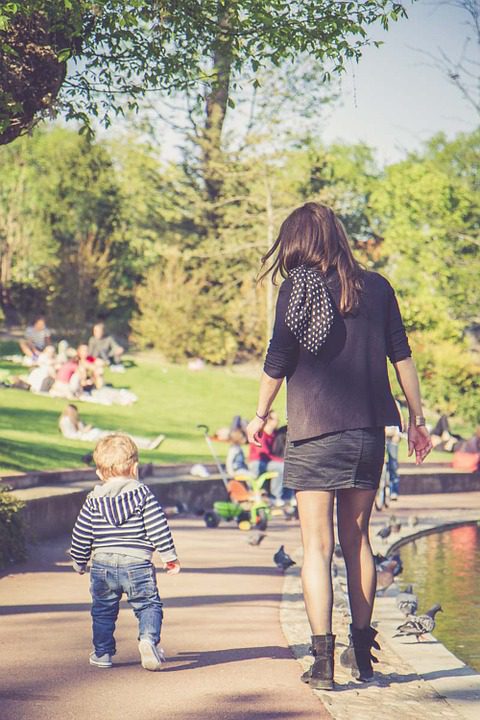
[(415, 679), (22, 481)]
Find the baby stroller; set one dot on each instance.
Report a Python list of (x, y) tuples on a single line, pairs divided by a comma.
[(246, 503)]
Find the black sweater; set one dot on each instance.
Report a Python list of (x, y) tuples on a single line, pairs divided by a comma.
[(346, 385)]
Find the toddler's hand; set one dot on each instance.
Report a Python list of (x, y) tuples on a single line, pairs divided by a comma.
[(80, 569), (172, 568)]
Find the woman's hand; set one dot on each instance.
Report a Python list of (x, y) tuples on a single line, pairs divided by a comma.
[(420, 441), (254, 429)]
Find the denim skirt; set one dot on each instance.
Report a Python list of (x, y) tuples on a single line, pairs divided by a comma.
[(336, 461)]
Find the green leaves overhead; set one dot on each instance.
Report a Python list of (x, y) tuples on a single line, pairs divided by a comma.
[(119, 51)]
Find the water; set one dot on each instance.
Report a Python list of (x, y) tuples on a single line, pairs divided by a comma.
[(445, 568)]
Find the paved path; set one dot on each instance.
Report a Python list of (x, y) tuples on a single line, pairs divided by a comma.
[(228, 658)]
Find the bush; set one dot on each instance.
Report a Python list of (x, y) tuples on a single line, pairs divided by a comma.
[(12, 537), (184, 315), (449, 376)]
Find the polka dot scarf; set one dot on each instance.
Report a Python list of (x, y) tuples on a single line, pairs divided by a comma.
[(310, 313)]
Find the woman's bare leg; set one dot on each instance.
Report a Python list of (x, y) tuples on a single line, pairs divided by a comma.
[(354, 508), (315, 509)]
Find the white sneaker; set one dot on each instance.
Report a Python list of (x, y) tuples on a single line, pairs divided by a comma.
[(102, 661), (152, 656), (279, 503), (393, 496)]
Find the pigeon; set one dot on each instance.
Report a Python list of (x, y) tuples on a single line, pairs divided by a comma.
[(412, 521), (419, 625), (407, 601), (339, 597), (395, 524), (385, 532), (392, 563), (282, 559), (256, 538), (399, 567), (385, 575), (338, 552)]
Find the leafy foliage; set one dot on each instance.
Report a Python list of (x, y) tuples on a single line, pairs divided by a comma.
[(12, 538), (118, 51), (61, 242)]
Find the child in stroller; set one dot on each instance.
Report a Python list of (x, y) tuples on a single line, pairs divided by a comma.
[(248, 503)]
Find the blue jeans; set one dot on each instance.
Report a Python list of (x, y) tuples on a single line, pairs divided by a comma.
[(111, 575), (392, 464)]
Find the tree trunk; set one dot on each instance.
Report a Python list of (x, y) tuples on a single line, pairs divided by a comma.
[(215, 111), (269, 237)]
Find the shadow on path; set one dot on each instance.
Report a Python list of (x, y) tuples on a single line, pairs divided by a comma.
[(186, 601), (193, 660)]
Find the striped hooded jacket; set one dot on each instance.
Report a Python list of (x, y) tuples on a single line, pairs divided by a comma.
[(121, 516)]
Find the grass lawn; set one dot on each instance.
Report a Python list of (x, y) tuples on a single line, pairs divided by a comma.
[(172, 400)]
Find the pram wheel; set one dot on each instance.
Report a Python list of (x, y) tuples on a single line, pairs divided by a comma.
[(211, 519)]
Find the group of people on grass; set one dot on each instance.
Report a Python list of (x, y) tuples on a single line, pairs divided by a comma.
[(62, 370), (100, 345)]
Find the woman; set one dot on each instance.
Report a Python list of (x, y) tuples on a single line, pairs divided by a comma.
[(335, 326)]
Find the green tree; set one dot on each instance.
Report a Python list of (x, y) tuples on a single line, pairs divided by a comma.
[(62, 234), (120, 50), (427, 209)]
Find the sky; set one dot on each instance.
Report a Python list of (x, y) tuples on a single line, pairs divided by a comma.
[(394, 99)]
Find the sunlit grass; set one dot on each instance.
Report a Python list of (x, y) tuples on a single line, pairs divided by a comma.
[(171, 400)]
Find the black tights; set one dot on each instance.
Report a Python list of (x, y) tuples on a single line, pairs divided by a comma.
[(316, 520)]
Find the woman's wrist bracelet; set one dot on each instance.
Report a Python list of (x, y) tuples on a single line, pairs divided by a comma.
[(262, 417), (417, 420)]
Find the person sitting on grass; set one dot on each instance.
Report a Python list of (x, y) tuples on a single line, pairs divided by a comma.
[(41, 377), (119, 527), (104, 347), (37, 337), (67, 379), (72, 428), (90, 370)]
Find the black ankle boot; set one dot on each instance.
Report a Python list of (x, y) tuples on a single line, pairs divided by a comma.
[(320, 675), (358, 656)]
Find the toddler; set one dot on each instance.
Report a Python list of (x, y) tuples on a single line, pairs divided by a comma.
[(118, 528), (235, 462)]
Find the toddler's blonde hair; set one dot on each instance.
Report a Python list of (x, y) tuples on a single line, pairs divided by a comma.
[(115, 455)]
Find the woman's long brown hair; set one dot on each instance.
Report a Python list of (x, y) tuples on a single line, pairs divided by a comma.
[(313, 235)]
